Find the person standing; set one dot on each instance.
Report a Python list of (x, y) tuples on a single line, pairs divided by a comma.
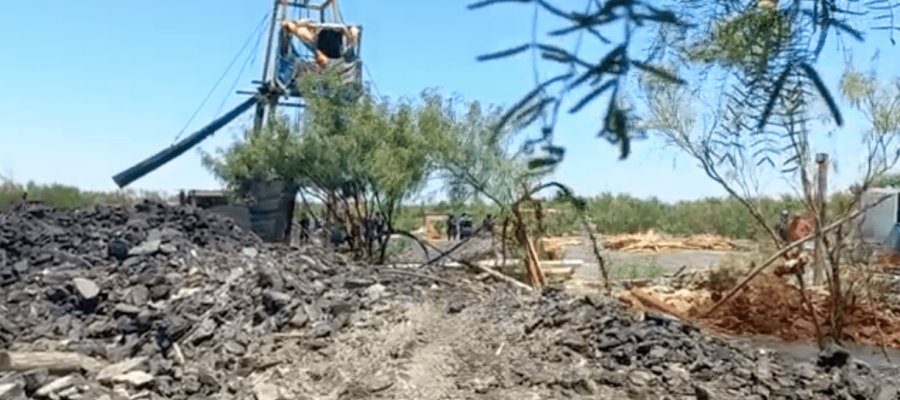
[(338, 235), (451, 227), (305, 227), (488, 225), (782, 226), (464, 227), (380, 226)]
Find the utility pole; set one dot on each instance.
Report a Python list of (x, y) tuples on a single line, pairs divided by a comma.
[(821, 205)]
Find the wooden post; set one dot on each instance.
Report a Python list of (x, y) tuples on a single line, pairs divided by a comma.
[(821, 204), (52, 361)]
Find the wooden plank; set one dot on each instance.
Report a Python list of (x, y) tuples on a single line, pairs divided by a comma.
[(50, 360)]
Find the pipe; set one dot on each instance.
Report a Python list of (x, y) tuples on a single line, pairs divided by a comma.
[(157, 160)]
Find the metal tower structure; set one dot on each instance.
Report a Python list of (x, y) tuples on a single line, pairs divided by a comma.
[(303, 38)]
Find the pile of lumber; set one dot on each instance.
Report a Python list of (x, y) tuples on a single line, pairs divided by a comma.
[(555, 247), (652, 241)]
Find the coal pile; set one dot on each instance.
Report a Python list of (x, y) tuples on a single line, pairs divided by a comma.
[(111, 302), (160, 302), (659, 357)]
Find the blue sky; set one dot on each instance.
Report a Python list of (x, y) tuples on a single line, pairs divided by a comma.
[(90, 88)]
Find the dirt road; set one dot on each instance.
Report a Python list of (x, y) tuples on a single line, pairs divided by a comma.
[(637, 265), (622, 265)]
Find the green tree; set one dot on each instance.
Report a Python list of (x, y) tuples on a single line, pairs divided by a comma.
[(765, 51), (474, 160), (354, 152), (268, 153), (734, 165)]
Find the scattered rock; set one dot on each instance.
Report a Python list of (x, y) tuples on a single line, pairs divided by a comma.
[(805, 370), (134, 379), (34, 379), (201, 309), (168, 248), (250, 252), (640, 378), (57, 385), (86, 288), (834, 356), (12, 391), (267, 391), (886, 392), (703, 393), (118, 249), (147, 248), (110, 372)]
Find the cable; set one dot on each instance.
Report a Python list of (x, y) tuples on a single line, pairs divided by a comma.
[(251, 59), (339, 18), (371, 79), (222, 77)]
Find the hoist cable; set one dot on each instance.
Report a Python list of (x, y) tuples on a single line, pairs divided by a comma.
[(251, 59), (222, 77), (371, 79)]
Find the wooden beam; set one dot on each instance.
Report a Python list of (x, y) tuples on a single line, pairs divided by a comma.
[(50, 360)]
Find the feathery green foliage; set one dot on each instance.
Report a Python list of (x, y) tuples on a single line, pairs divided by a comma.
[(348, 143), (760, 52), (268, 153), (879, 102), (472, 158)]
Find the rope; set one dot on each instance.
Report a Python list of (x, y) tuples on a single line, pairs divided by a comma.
[(340, 16), (251, 59), (222, 77), (371, 79)]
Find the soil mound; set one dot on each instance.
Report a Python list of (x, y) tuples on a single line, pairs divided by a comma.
[(771, 306)]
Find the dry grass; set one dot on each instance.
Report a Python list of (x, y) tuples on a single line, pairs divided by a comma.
[(66, 197)]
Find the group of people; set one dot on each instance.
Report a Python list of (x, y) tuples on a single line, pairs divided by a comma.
[(462, 227), (373, 229)]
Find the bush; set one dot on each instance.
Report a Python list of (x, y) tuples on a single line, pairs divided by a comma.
[(613, 214), (66, 197), (610, 213)]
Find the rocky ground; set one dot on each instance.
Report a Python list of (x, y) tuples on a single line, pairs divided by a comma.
[(156, 302)]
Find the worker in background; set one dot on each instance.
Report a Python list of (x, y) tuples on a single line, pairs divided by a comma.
[(305, 227), (374, 229), (380, 226), (338, 234), (315, 224), (23, 201), (451, 227), (782, 226), (368, 229), (488, 225), (466, 226)]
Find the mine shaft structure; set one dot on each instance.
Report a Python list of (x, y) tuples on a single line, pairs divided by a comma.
[(304, 37)]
